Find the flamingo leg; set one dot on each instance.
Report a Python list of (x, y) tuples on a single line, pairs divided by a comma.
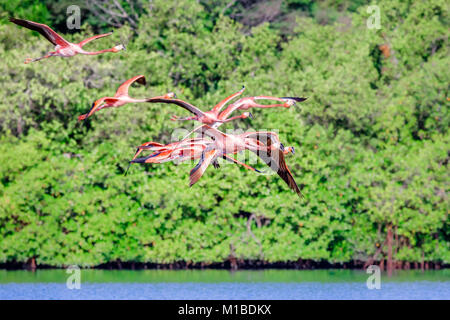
[(28, 60), (257, 105), (235, 117), (176, 118), (231, 159)]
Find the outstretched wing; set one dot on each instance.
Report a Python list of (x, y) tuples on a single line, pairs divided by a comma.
[(189, 107), (274, 158), (196, 173), (43, 29), (220, 105), (86, 41), (123, 89)]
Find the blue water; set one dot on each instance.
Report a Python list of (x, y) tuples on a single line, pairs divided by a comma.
[(227, 291), (223, 285)]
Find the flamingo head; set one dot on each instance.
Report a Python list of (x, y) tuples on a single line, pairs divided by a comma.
[(290, 101), (118, 48), (247, 115), (289, 149), (170, 95)]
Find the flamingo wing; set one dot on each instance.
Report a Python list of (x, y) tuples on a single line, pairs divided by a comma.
[(189, 107), (123, 89), (276, 161), (156, 157), (207, 157), (86, 41), (43, 29), (220, 105), (231, 108)]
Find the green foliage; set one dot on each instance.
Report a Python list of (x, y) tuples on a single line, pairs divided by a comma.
[(372, 140)]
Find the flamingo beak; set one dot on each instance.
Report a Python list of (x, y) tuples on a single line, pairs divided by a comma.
[(250, 115), (293, 150), (281, 147)]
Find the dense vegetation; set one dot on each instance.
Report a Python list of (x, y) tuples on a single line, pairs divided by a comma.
[(372, 140)]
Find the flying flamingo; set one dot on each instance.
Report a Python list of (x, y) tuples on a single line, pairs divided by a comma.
[(180, 151), (266, 145), (155, 146), (120, 98), (216, 118), (63, 48), (206, 117), (249, 102)]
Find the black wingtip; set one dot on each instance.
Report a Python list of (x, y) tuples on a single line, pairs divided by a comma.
[(297, 99), (139, 160), (142, 160)]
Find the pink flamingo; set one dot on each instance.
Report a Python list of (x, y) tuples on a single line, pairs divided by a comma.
[(179, 151), (120, 98), (63, 48), (249, 102), (206, 117), (216, 118), (266, 145)]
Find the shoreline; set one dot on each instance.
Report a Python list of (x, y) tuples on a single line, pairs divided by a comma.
[(234, 264)]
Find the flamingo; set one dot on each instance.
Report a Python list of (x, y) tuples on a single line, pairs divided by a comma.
[(216, 118), (271, 151), (249, 102), (164, 152), (206, 117), (120, 98), (155, 146), (180, 151), (63, 48)]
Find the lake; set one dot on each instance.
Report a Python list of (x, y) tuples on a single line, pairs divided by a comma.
[(223, 284)]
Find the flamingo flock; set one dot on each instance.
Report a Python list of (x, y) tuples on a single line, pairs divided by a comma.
[(210, 144)]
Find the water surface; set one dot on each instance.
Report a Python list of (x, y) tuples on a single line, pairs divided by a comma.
[(222, 284)]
